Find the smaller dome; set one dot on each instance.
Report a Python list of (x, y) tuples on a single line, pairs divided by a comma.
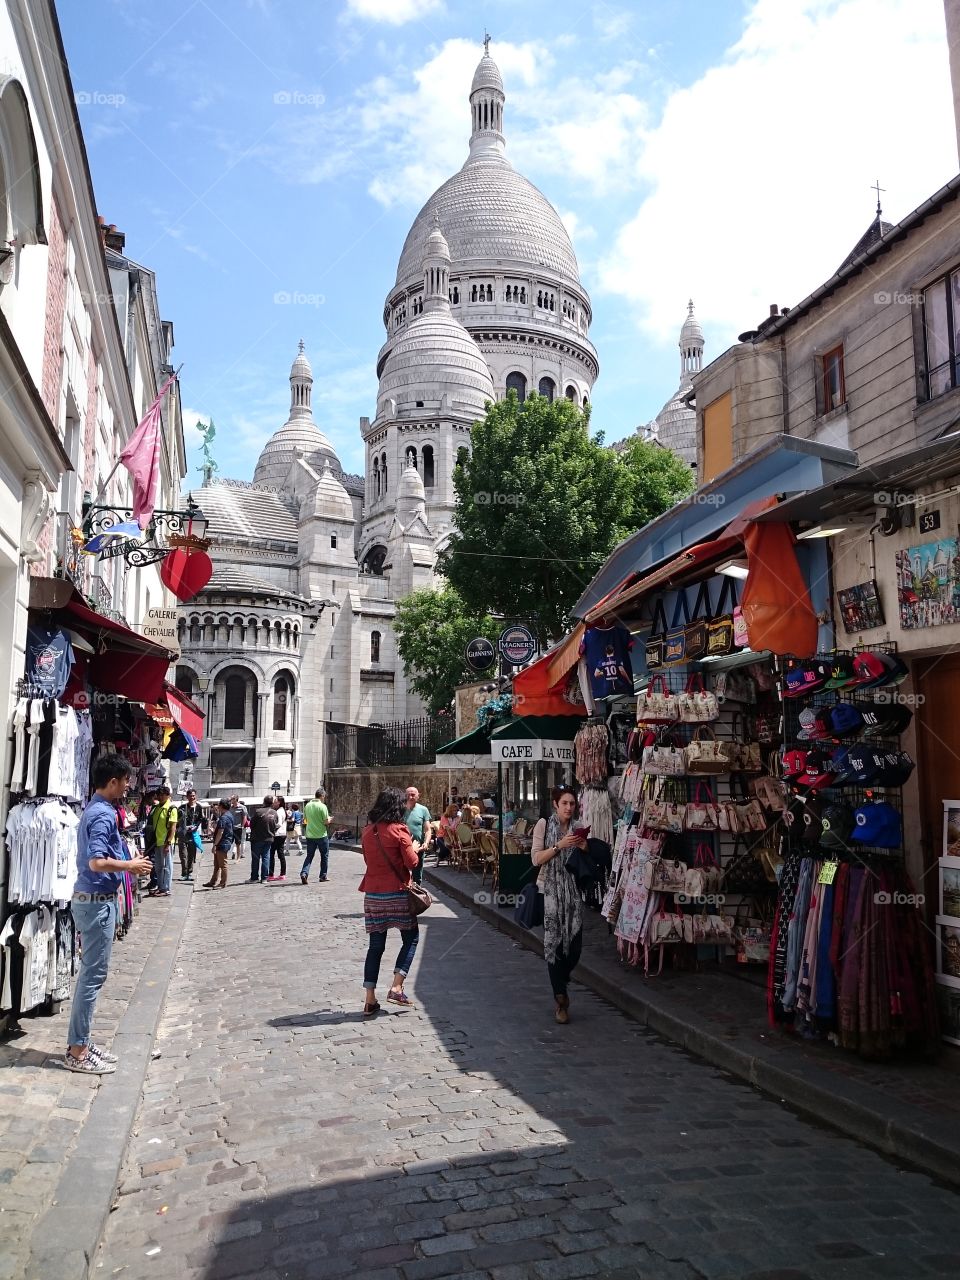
[(487, 75), (328, 500), (301, 365), (411, 485), (436, 245), (692, 331)]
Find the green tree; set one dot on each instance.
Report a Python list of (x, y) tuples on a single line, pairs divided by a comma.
[(433, 628), (540, 505), (659, 476)]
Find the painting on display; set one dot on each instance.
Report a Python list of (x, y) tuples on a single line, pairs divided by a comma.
[(949, 870), (951, 829), (928, 584), (860, 607), (948, 1001)]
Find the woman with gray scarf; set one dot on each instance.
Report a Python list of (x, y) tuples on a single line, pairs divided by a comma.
[(553, 838)]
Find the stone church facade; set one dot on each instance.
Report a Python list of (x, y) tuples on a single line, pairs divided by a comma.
[(295, 630)]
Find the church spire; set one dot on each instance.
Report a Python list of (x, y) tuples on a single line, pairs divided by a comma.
[(301, 386), (486, 107), (691, 346), (436, 269)]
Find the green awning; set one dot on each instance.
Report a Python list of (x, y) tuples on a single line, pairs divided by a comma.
[(471, 751), (534, 738)]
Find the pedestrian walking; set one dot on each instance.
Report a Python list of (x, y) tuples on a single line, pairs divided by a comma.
[(241, 821), (223, 840), (316, 818), (191, 825), (417, 818), (390, 857), (163, 824), (294, 845), (553, 837), (103, 859), (277, 849), (263, 828)]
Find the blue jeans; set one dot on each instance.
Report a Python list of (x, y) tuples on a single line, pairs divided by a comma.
[(376, 947), (166, 869), (260, 859), (97, 924), (313, 844)]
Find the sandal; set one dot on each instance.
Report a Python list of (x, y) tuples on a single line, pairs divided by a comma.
[(400, 997), (370, 1009)]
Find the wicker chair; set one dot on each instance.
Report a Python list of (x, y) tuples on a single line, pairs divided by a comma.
[(466, 845), (520, 827), (489, 855)]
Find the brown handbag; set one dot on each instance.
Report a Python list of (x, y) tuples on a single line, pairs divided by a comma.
[(418, 898)]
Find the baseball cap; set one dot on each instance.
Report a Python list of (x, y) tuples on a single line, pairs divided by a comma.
[(845, 718), (885, 720), (870, 671), (837, 823), (840, 765), (802, 679), (794, 763), (814, 724), (817, 770), (841, 672), (895, 666), (894, 768), (812, 818), (877, 824), (864, 766)]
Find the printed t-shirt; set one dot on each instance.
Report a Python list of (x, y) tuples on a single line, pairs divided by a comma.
[(607, 654), (49, 659)]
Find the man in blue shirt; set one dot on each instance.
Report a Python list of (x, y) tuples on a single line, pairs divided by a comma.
[(102, 861), (418, 822)]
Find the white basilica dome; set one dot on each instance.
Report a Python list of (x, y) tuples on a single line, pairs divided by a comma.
[(436, 355)]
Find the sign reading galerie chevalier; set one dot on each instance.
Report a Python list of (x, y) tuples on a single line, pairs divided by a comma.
[(517, 645), (160, 626)]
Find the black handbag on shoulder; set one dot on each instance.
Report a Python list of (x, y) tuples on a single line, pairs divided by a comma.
[(529, 908)]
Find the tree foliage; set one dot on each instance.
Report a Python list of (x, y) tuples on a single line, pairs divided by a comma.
[(433, 628), (540, 504), (659, 476)]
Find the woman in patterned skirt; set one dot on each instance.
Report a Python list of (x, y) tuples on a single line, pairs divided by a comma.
[(390, 857)]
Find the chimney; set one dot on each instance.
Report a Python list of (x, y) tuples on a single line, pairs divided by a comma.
[(112, 238), (951, 11)]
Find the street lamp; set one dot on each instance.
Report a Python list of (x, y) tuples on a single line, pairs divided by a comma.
[(203, 682)]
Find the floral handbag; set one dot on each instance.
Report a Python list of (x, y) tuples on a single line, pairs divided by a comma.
[(707, 754), (697, 705), (657, 705), (665, 761), (702, 812)]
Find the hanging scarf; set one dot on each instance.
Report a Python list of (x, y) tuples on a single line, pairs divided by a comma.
[(562, 904)]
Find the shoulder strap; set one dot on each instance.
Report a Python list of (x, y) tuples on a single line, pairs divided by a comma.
[(724, 601), (659, 617), (678, 608), (702, 602)]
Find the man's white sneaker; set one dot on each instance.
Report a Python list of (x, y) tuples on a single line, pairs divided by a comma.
[(89, 1064)]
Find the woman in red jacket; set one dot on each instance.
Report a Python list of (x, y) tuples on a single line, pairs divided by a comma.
[(390, 857)]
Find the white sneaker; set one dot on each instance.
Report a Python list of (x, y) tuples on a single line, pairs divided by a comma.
[(89, 1064), (103, 1054)]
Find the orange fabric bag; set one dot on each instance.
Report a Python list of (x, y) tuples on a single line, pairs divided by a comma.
[(775, 600)]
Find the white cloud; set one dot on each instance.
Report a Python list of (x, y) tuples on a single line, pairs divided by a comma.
[(394, 12), (759, 172), (577, 229)]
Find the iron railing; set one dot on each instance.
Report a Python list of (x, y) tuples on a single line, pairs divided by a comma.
[(375, 746)]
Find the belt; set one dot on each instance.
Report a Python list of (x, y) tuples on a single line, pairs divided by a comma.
[(94, 897)]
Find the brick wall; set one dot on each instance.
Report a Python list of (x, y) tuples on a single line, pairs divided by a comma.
[(353, 791)]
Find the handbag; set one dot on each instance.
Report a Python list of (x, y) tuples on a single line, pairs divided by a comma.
[(696, 629), (720, 626), (706, 859), (666, 926), (740, 638), (744, 873), (675, 641), (697, 705), (663, 761), (653, 648), (529, 909), (769, 791), (418, 898), (700, 814), (727, 817), (661, 875), (657, 705), (664, 815), (750, 816), (708, 755)]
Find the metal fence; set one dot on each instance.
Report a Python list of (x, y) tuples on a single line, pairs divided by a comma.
[(374, 746)]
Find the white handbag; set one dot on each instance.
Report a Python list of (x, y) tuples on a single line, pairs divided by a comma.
[(664, 761), (657, 705), (697, 705)]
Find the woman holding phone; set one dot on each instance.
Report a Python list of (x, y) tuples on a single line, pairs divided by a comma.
[(553, 838)]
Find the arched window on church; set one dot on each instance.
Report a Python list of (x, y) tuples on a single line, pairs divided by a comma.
[(509, 293), (410, 456), (547, 387), (376, 478), (428, 468), (383, 472), (585, 401), (234, 702), (473, 294), (281, 699), (523, 293), (552, 300), (489, 292), (518, 383), (463, 453), (539, 297), (374, 646), (571, 394)]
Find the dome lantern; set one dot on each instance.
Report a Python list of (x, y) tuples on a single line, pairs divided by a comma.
[(486, 106), (691, 346), (301, 386), (436, 269)]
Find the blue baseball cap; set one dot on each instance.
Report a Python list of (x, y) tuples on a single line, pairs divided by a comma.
[(878, 825)]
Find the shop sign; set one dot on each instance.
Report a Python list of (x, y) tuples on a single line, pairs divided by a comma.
[(517, 645), (531, 751), (480, 654), (160, 626)]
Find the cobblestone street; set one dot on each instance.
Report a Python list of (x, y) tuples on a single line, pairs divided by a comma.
[(280, 1136)]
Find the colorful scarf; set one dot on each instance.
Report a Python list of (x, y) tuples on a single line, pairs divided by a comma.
[(562, 903)]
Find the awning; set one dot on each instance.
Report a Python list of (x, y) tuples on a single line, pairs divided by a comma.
[(535, 738), (124, 663), (186, 714), (470, 751), (535, 687)]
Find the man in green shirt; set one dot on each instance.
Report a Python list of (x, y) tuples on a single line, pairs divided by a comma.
[(417, 819), (163, 826), (316, 816)]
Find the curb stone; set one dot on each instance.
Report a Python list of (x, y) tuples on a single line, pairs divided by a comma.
[(66, 1237), (890, 1127)]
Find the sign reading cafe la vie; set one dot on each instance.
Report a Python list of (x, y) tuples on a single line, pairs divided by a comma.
[(535, 749)]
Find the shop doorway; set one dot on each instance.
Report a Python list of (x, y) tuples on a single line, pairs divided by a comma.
[(937, 680)]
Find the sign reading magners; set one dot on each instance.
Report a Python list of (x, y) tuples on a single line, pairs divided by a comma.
[(517, 645)]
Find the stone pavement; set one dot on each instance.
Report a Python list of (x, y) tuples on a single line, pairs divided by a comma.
[(906, 1108), (281, 1137), (45, 1111)]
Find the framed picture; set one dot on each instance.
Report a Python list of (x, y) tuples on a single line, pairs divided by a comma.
[(860, 607), (951, 829), (948, 1005), (948, 948), (928, 584), (949, 870)]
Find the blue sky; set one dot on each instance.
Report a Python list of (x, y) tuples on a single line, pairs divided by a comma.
[(257, 150)]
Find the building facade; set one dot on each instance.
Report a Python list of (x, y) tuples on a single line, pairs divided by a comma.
[(295, 631)]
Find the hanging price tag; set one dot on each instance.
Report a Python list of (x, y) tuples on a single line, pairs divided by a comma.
[(827, 873)]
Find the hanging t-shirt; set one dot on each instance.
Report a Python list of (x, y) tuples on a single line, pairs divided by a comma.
[(607, 654), (49, 659)]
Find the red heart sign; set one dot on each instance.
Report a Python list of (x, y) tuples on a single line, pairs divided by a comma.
[(186, 572)]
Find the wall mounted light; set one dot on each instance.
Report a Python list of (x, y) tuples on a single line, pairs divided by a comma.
[(821, 531), (734, 568)]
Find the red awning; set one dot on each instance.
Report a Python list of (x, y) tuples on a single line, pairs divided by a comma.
[(186, 714), (535, 695)]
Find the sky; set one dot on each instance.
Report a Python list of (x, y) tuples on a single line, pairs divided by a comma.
[(267, 157)]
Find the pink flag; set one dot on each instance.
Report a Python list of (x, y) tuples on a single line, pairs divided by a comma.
[(141, 457)]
